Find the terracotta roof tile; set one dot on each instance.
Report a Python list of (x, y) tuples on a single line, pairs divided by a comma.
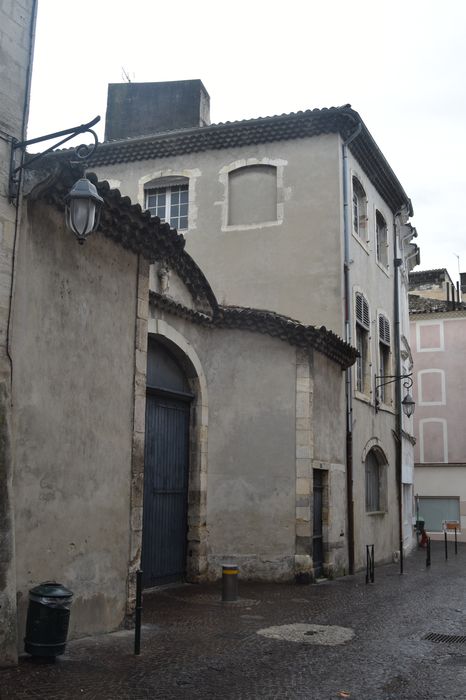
[(283, 127), (268, 323), (425, 305)]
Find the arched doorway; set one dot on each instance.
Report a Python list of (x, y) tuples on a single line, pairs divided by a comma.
[(166, 468)]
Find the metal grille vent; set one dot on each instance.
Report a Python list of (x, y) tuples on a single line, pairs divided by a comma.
[(362, 311), (445, 638)]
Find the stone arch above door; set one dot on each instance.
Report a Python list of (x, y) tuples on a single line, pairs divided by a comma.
[(197, 490)]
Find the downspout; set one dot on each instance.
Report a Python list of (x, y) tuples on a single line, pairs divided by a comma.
[(399, 418), (349, 340)]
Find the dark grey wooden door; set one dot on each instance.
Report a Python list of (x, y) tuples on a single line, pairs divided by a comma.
[(165, 489), (317, 536)]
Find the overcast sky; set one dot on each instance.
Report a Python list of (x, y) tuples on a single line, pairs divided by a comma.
[(401, 65)]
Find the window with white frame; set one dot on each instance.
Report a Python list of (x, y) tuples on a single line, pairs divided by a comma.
[(384, 358), (359, 210), (362, 341), (381, 238), (168, 198)]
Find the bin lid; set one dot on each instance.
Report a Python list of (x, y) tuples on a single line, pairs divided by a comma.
[(51, 589)]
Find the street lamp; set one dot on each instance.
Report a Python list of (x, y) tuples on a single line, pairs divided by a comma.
[(408, 402), (83, 206), (83, 203)]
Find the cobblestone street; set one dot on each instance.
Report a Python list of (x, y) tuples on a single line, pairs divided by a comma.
[(193, 646)]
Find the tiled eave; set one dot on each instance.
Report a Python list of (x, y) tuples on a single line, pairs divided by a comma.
[(134, 229), (284, 127), (424, 306), (268, 323)]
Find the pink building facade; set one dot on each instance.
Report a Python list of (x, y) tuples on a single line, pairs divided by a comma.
[(438, 343)]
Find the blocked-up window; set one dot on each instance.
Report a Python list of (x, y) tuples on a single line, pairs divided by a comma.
[(431, 384), (433, 440), (429, 335), (252, 195)]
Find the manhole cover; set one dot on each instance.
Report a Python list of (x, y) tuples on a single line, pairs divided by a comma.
[(327, 635), (445, 638)]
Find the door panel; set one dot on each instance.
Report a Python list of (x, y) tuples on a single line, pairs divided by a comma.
[(165, 490), (317, 536)]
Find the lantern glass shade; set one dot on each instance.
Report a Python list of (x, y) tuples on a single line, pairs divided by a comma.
[(83, 206), (408, 404)]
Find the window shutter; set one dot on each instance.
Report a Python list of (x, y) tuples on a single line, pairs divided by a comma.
[(384, 329), (362, 311)]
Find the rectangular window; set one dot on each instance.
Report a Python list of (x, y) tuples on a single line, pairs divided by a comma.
[(384, 359), (435, 510), (372, 484), (170, 204), (361, 345), (362, 341), (381, 239)]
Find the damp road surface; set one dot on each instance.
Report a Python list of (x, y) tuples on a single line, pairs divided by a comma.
[(402, 637)]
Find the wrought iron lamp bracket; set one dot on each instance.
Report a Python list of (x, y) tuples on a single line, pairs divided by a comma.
[(390, 379), (81, 152)]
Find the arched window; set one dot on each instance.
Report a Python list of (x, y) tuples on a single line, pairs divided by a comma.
[(168, 198), (359, 210), (375, 480)]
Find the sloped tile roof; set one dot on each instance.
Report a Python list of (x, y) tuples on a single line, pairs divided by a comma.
[(134, 229), (424, 305), (284, 127), (268, 323)]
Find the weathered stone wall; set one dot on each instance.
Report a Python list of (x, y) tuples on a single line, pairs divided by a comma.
[(278, 265), (74, 337), (252, 502), (17, 20)]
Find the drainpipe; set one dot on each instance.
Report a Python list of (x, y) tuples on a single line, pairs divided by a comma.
[(399, 415), (349, 339)]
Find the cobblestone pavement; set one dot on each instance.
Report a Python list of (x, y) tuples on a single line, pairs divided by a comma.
[(193, 646)]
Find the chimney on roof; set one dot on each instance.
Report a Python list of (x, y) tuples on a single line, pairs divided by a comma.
[(140, 109)]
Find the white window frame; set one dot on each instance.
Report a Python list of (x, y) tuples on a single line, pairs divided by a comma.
[(439, 348), (422, 423), (379, 244), (359, 211), (282, 192), (420, 376), (169, 190)]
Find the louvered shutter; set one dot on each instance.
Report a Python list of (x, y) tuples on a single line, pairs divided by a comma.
[(362, 311), (384, 329)]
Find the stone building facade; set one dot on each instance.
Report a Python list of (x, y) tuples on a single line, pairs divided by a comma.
[(302, 215), (17, 25), (438, 341), (94, 328)]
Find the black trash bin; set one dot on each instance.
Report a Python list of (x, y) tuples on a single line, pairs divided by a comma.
[(47, 620)]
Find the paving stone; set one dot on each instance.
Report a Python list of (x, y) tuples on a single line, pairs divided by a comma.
[(193, 646)]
